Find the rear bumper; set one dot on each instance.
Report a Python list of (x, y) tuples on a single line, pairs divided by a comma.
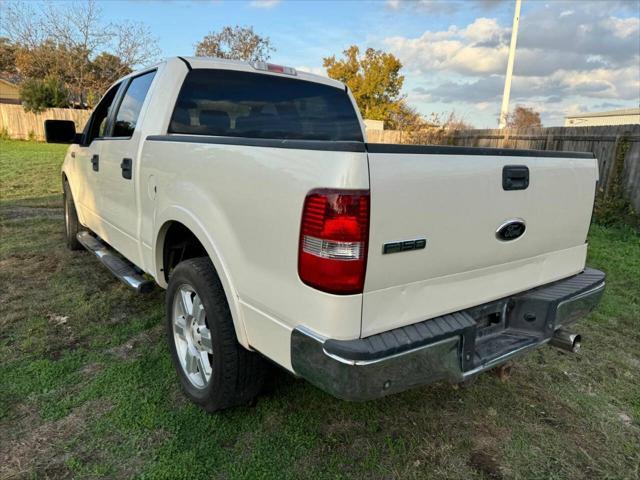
[(452, 347)]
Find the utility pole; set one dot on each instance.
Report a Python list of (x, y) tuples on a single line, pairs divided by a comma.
[(507, 80)]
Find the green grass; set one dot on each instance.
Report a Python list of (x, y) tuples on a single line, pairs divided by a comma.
[(87, 388)]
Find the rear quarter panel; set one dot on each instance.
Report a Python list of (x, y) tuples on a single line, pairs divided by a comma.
[(247, 202)]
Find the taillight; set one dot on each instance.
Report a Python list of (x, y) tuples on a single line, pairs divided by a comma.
[(334, 236)]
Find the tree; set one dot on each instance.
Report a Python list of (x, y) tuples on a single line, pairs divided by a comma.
[(374, 79), (406, 118), (524, 117), (103, 71), (38, 95), (7, 56), (235, 43), (63, 43)]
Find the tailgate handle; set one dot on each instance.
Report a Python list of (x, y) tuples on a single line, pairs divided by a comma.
[(95, 163), (515, 177)]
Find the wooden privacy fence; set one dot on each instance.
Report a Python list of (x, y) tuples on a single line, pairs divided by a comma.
[(617, 147), (16, 123)]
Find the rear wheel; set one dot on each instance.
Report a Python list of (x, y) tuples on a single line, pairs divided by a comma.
[(71, 223), (215, 371)]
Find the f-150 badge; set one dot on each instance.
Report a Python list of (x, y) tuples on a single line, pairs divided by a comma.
[(404, 245)]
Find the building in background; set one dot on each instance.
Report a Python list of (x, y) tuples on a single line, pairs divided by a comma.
[(9, 91), (628, 116)]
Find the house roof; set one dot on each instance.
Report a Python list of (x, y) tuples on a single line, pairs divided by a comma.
[(610, 113), (10, 78)]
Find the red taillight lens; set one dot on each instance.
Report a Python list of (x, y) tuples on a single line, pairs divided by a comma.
[(334, 237), (275, 68)]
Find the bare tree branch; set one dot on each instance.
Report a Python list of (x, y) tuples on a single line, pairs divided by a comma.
[(65, 41), (236, 43)]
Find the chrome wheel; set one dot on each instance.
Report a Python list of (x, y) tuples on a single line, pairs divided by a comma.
[(192, 336)]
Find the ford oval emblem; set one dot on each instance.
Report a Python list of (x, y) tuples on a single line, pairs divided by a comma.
[(511, 229)]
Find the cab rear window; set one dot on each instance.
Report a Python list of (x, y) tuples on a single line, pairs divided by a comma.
[(243, 104)]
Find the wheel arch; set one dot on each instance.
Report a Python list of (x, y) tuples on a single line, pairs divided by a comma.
[(181, 220)]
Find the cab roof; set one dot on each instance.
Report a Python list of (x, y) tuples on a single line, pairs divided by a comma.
[(240, 65)]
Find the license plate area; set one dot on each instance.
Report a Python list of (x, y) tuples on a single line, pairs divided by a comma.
[(491, 319), (498, 332)]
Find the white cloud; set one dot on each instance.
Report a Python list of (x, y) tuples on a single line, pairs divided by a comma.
[(570, 55), (544, 45), (623, 27), (264, 3), (443, 6), (479, 48)]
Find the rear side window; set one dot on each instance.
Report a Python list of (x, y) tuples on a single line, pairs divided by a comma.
[(129, 111), (243, 104)]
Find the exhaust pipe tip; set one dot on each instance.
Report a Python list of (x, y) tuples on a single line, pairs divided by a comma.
[(577, 343), (568, 341)]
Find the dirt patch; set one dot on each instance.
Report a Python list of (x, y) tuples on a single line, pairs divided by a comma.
[(487, 439), (31, 449), (26, 263), (22, 213), (340, 428), (92, 369), (626, 420), (132, 347), (486, 464)]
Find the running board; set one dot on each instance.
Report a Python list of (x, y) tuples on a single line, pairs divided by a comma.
[(120, 267)]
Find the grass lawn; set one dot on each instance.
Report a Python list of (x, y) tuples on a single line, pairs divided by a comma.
[(87, 388)]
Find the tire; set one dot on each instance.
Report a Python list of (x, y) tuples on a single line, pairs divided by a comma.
[(236, 375), (71, 222)]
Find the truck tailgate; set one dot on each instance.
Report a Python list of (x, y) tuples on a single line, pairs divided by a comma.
[(455, 199)]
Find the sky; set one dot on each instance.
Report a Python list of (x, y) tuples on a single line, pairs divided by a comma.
[(573, 56)]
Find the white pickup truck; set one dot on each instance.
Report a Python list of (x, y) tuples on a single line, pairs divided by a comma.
[(249, 192)]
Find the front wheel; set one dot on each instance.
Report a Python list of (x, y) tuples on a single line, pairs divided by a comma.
[(71, 223), (215, 371)]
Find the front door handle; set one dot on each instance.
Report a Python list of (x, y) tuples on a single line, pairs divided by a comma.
[(95, 162), (515, 177), (126, 167)]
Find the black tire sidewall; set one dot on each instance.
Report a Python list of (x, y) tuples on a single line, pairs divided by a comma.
[(71, 224), (216, 307)]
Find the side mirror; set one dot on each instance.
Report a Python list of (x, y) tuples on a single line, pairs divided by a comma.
[(60, 131)]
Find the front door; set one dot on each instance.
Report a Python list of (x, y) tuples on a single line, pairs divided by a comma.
[(85, 184)]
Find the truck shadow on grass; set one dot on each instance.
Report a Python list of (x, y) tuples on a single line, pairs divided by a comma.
[(87, 389)]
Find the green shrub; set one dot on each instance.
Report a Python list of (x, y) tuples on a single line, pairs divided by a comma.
[(613, 206), (38, 95)]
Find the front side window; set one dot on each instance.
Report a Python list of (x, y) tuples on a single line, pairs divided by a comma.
[(129, 110), (243, 104), (97, 124)]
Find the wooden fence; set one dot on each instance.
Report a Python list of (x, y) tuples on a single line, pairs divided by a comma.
[(608, 143), (16, 123)]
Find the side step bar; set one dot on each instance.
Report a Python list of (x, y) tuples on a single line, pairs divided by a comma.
[(120, 267)]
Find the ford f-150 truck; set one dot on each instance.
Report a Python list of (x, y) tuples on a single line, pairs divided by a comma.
[(249, 192)]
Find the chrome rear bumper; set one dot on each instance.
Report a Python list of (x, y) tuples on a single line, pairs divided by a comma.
[(453, 347)]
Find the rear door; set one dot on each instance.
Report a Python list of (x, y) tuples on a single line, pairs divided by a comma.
[(451, 202), (118, 163)]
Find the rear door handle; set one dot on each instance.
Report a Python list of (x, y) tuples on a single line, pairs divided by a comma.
[(515, 177), (127, 168), (95, 162)]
